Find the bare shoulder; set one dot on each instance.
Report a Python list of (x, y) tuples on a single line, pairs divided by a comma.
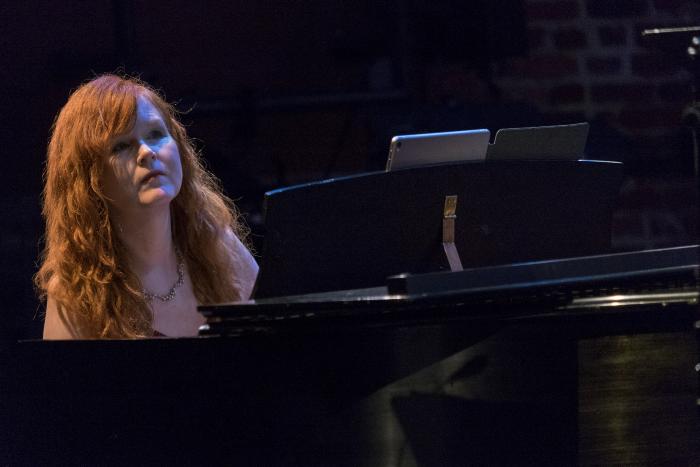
[(245, 264), (57, 325)]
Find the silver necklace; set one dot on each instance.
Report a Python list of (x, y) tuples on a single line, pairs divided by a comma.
[(149, 296)]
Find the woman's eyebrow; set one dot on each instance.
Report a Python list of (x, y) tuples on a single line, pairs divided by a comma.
[(154, 120)]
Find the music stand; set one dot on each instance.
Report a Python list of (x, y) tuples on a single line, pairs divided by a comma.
[(684, 43)]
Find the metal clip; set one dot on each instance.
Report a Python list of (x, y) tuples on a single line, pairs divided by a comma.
[(449, 214)]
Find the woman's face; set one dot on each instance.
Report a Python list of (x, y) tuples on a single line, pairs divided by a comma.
[(143, 167)]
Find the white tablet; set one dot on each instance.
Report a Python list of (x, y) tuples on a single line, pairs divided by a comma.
[(437, 148)]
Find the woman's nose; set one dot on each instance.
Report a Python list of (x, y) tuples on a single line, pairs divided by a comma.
[(146, 155)]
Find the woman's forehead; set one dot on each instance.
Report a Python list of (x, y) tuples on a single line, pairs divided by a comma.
[(146, 111)]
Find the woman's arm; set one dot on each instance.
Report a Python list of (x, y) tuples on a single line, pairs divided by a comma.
[(246, 268), (56, 324)]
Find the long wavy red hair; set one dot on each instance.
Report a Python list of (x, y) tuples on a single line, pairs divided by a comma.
[(84, 265)]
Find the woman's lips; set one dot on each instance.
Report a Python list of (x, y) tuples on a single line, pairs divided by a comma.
[(151, 175)]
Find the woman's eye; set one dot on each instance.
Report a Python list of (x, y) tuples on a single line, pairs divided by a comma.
[(119, 147), (156, 134)]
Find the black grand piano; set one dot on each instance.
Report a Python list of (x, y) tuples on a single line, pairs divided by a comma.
[(539, 346)]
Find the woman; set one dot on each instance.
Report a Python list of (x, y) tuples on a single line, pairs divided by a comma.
[(137, 232)]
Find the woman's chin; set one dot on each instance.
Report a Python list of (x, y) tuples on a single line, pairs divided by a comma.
[(156, 197)]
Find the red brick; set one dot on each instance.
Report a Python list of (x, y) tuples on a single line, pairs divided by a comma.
[(621, 92), (570, 39), (549, 10), (566, 94), (603, 65), (615, 8), (612, 35), (653, 64), (542, 66)]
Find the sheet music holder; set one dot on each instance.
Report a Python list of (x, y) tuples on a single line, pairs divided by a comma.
[(354, 232)]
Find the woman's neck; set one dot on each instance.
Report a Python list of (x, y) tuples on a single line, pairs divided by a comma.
[(148, 239)]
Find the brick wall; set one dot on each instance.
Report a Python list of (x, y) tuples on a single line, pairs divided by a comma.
[(586, 59)]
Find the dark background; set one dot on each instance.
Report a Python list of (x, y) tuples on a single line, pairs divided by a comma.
[(277, 93)]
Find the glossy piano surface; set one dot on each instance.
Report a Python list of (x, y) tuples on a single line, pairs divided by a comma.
[(623, 287), (568, 375)]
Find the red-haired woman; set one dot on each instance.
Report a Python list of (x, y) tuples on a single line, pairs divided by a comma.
[(137, 232)]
